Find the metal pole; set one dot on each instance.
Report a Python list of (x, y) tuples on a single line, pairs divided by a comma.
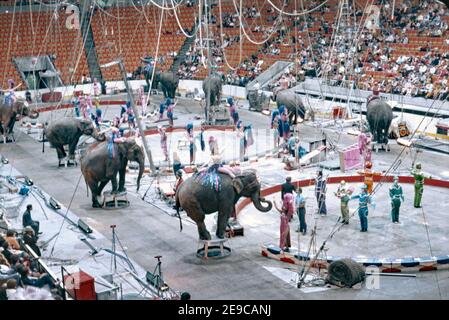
[(209, 65), (136, 113)]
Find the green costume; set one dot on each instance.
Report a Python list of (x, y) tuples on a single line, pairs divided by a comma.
[(396, 196), (343, 194), (419, 184)]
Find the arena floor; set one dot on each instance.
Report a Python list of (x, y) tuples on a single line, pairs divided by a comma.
[(147, 230)]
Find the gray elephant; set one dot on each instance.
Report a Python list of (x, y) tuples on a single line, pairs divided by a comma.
[(379, 116), (9, 113), (292, 101), (67, 131), (213, 86), (168, 81), (198, 199), (101, 164)]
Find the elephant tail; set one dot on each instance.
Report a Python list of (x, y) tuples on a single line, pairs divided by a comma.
[(178, 205)]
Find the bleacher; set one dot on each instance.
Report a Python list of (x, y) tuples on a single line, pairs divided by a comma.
[(131, 34), (26, 34)]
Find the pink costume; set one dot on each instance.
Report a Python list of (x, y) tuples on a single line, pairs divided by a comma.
[(288, 205), (163, 142), (143, 100), (284, 240), (89, 105), (365, 147), (96, 88), (83, 107)]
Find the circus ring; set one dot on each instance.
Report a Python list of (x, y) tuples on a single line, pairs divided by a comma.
[(389, 247), (226, 135)]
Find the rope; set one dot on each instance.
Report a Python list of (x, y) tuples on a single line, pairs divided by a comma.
[(65, 216), (180, 26), (297, 14)]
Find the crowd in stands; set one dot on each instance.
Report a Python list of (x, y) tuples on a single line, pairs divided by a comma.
[(20, 276)]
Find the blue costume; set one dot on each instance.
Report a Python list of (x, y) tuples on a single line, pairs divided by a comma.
[(111, 152), (273, 115), (364, 200), (76, 105), (320, 194)]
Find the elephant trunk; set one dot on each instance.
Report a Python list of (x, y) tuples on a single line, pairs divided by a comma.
[(257, 201), (141, 162)]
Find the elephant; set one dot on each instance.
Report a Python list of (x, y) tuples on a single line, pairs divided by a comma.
[(198, 199), (67, 131), (168, 81), (213, 86), (379, 116), (292, 101), (8, 115), (99, 167)]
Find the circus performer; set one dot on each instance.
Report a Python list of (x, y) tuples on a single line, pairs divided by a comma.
[(176, 162), (364, 200), (89, 104), (202, 143), (343, 193), (170, 108), (209, 176), (397, 197), (163, 135), (300, 204), (84, 107), (232, 110), (191, 140), (275, 128), (320, 193), (97, 117), (96, 88), (113, 137), (116, 122), (364, 143), (284, 123), (131, 119), (143, 100), (213, 145), (419, 184), (369, 175), (161, 111), (76, 105), (284, 239), (10, 93)]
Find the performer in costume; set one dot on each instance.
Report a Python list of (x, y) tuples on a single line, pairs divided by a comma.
[(76, 105), (369, 175), (163, 135), (300, 204), (343, 193), (275, 128), (396, 196), (113, 137), (213, 146), (176, 163), (170, 107), (10, 93), (419, 184), (161, 111), (320, 193), (284, 230), (143, 100), (364, 199), (202, 143), (192, 145)]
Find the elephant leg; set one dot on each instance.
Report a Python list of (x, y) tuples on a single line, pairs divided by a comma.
[(121, 182), (61, 153), (72, 148), (195, 212), (223, 217), (101, 186), (93, 185), (114, 183)]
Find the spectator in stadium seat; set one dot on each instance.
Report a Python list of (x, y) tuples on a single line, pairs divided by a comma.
[(39, 282), (12, 240)]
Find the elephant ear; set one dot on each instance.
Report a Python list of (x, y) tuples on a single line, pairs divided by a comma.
[(85, 124), (237, 183)]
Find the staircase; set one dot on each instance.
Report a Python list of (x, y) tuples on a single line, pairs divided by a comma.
[(180, 58), (89, 44)]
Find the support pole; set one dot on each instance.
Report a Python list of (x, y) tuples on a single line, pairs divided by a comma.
[(136, 113)]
